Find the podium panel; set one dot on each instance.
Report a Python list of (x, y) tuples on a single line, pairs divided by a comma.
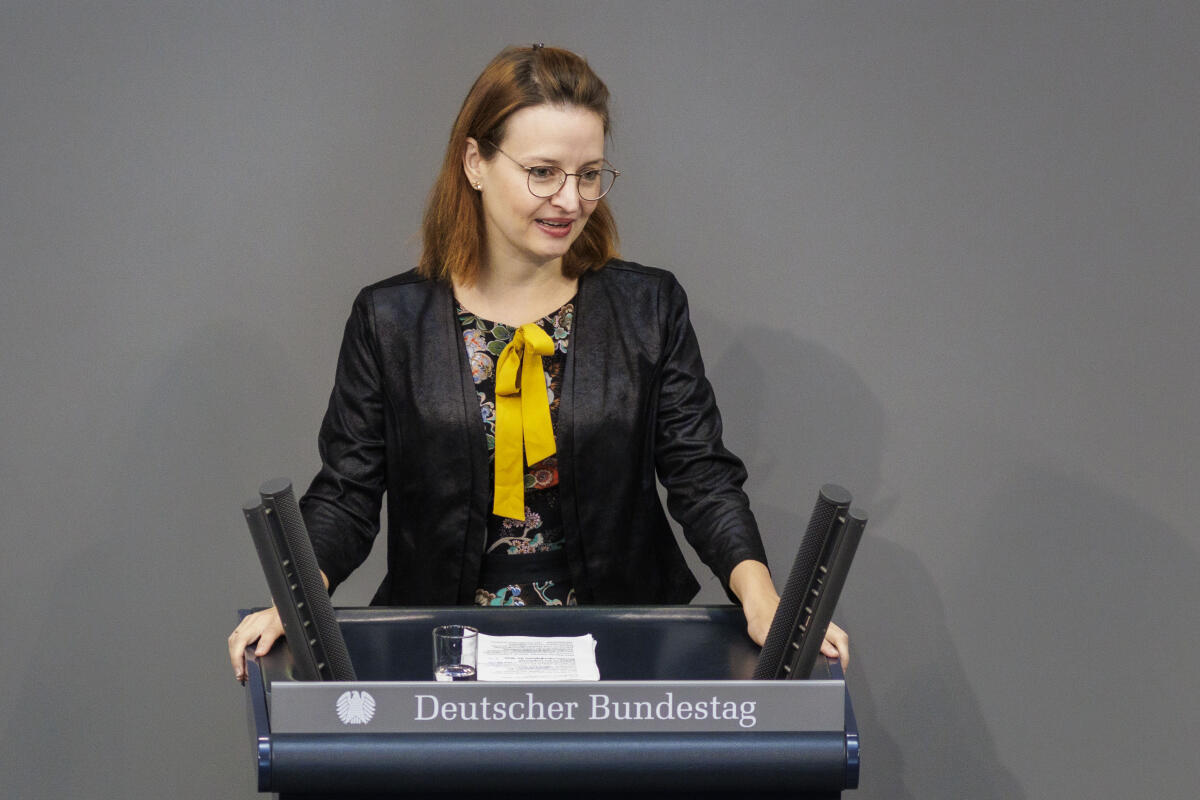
[(674, 714)]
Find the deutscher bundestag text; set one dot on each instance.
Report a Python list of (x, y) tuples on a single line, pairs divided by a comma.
[(600, 707)]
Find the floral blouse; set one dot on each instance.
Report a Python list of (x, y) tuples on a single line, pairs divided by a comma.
[(524, 562)]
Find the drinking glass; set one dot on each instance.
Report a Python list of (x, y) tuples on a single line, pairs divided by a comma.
[(454, 649)]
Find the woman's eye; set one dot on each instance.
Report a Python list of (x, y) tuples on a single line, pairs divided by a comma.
[(590, 176), (541, 173)]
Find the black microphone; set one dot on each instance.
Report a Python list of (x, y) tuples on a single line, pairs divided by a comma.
[(285, 552), (811, 592)]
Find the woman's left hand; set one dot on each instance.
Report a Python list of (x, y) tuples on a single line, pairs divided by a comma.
[(836, 644), (752, 584)]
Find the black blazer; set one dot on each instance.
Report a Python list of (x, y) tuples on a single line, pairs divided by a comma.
[(404, 419)]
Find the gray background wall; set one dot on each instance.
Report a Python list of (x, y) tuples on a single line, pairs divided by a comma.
[(941, 252)]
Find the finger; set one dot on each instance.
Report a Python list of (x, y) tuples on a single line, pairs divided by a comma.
[(243, 635), (837, 644), (830, 650), (267, 638), (237, 654)]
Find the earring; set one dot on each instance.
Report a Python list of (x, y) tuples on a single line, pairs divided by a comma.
[(479, 187)]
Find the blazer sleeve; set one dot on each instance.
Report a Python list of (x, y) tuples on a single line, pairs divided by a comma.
[(702, 478), (341, 506)]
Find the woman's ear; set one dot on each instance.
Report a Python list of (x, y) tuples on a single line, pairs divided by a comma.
[(473, 162)]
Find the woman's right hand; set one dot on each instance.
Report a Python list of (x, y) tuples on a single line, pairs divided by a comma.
[(265, 627)]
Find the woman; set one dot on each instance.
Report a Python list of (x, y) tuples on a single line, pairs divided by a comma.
[(517, 394)]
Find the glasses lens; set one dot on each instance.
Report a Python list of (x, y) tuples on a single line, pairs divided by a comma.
[(546, 181), (595, 183)]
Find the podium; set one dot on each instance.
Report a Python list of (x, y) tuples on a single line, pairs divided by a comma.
[(674, 714)]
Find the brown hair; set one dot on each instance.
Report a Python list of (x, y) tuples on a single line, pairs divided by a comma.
[(519, 77)]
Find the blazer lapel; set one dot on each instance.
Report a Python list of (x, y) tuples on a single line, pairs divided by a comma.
[(473, 444)]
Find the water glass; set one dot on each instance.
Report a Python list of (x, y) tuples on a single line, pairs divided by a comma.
[(454, 650)]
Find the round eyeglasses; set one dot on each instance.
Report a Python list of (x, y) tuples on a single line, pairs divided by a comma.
[(545, 180)]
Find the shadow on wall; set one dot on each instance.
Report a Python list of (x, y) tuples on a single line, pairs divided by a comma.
[(1090, 604), (801, 416), (798, 414), (924, 732), (129, 692)]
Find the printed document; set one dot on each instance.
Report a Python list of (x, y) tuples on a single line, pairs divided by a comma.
[(537, 658)]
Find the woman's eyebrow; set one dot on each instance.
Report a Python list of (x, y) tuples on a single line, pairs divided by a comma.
[(535, 160)]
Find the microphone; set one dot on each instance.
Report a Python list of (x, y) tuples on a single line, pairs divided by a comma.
[(811, 592), (285, 552)]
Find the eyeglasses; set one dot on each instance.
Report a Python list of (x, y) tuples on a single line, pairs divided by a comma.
[(546, 180)]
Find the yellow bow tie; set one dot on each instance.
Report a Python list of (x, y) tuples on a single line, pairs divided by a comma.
[(522, 416)]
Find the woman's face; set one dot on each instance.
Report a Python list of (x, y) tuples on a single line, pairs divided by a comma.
[(523, 229)]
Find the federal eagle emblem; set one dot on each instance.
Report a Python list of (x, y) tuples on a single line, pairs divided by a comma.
[(355, 707)]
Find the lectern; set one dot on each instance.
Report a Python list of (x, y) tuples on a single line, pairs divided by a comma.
[(674, 714)]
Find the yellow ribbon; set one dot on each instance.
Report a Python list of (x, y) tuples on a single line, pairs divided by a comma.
[(522, 416)]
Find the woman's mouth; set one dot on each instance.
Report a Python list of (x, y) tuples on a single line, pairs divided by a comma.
[(555, 227)]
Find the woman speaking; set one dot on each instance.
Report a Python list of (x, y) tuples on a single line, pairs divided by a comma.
[(516, 396)]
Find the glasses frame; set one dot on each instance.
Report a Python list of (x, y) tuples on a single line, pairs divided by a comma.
[(576, 175)]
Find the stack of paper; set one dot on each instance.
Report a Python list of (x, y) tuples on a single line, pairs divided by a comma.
[(537, 658)]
